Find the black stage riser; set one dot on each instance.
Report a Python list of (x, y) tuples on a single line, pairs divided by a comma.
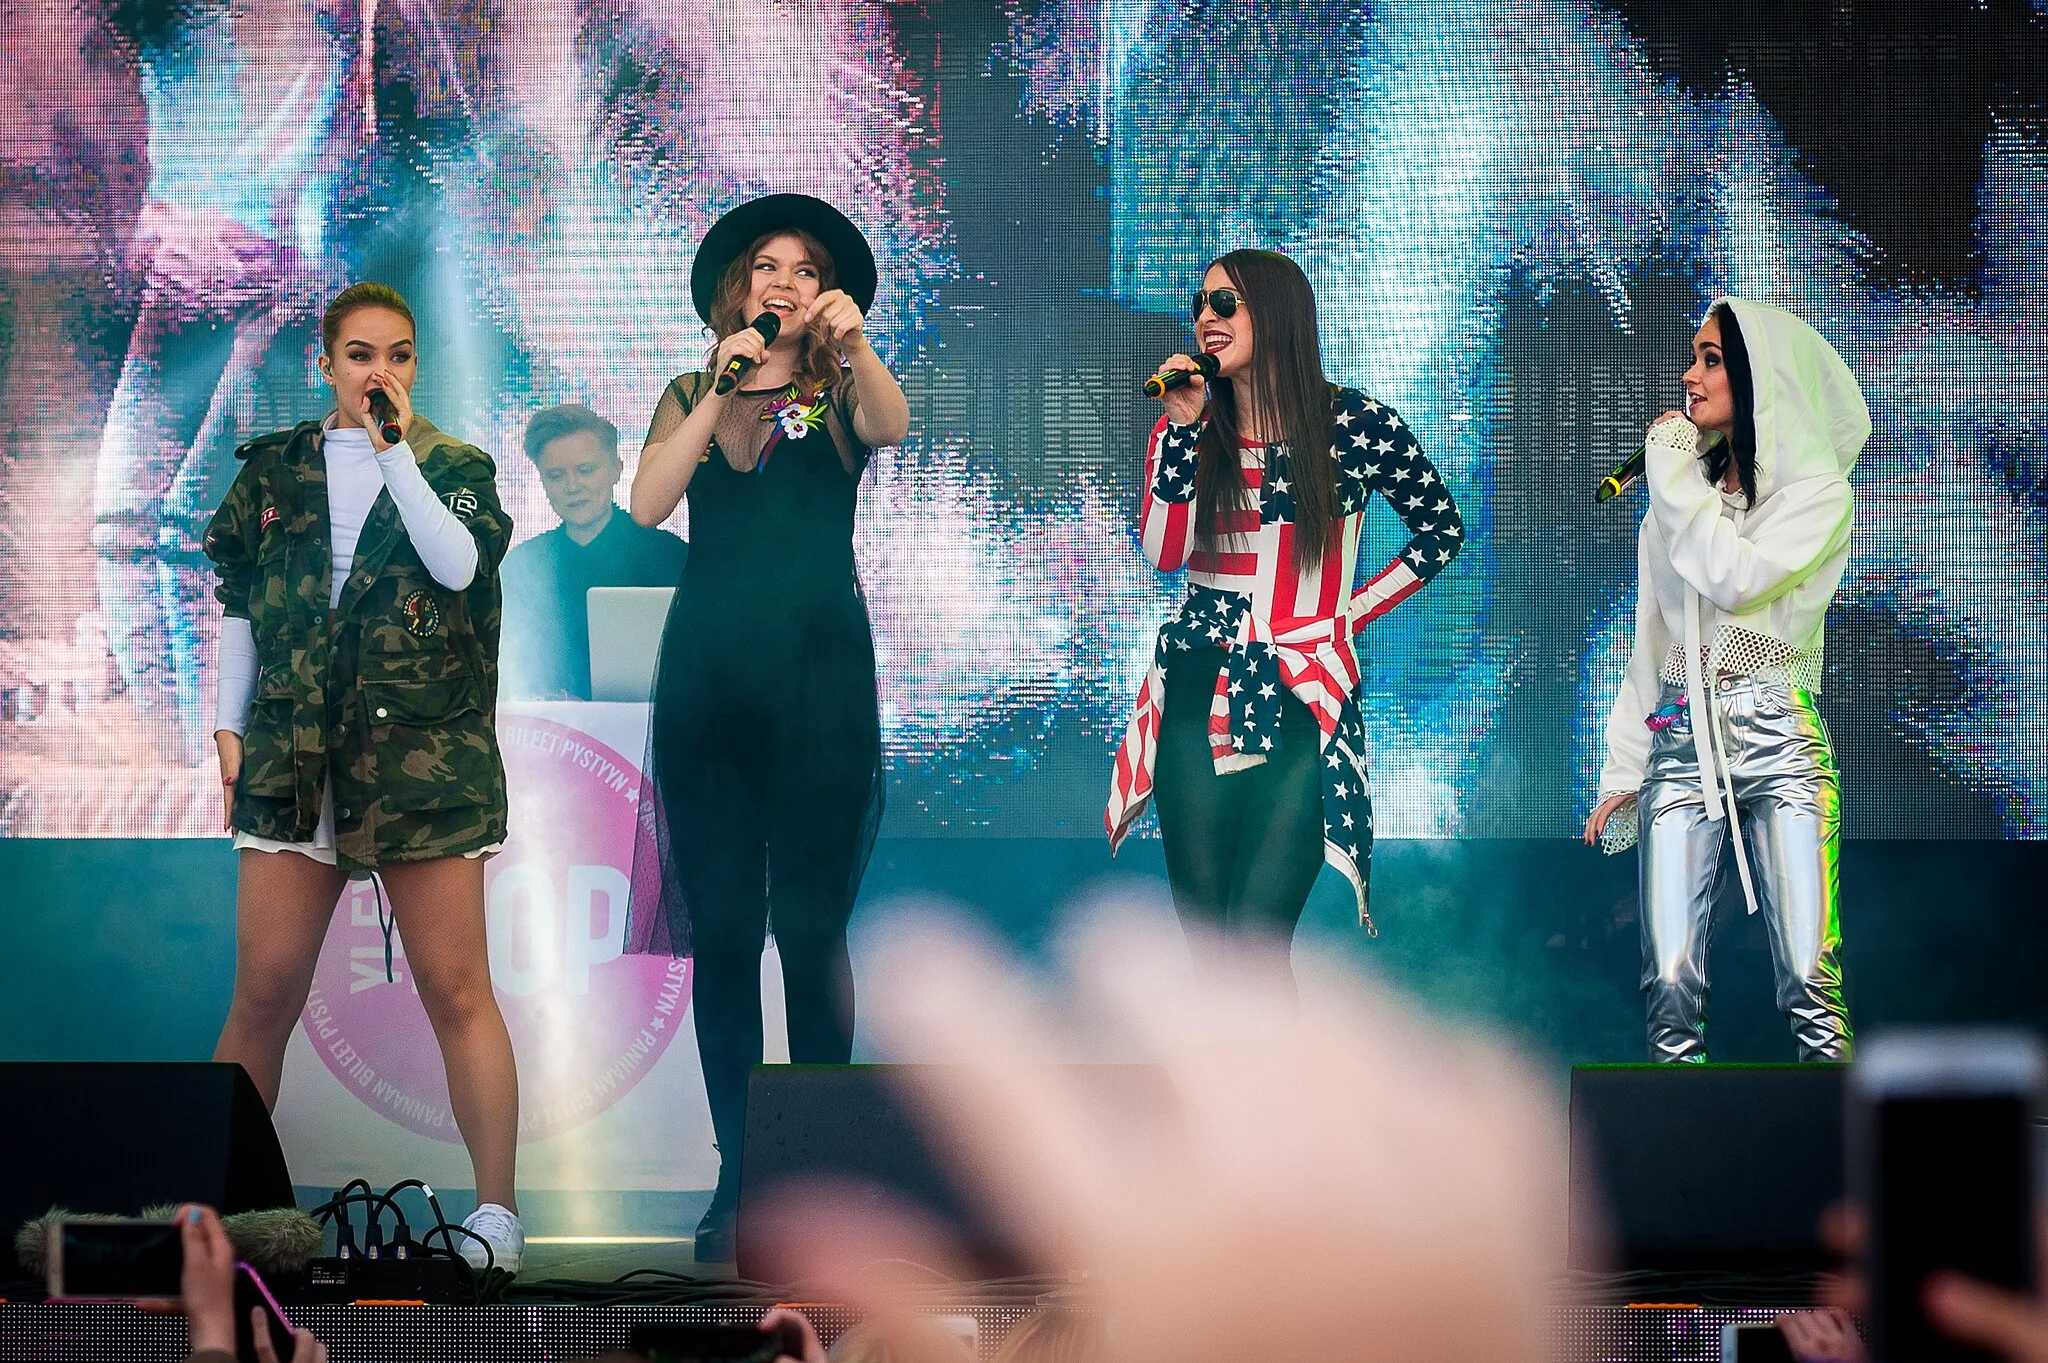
[(1704, 1168), (856, 1128), (115, 1137)]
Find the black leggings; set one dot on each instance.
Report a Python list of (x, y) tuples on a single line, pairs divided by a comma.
[(1243, 850), (728, 891), (768, 817)]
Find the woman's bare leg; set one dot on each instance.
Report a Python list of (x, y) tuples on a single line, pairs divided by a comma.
[(439, 906), (283, 902)]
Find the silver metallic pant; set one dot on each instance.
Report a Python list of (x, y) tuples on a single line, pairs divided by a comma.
[(1781, 771)]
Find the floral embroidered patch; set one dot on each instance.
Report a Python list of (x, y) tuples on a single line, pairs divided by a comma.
[(795, 418), (422, 615), (799, 419)]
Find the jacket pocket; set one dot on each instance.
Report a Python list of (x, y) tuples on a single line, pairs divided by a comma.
[(431, 742), (407, 615), (269, 750)]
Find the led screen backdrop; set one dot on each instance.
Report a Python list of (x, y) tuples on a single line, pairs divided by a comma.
[(1512, 211)]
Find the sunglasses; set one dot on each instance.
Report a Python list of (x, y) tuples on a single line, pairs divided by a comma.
[(1222, 302)]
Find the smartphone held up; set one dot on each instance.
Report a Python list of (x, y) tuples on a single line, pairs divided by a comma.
[(129, 1260), (1943, 1175)]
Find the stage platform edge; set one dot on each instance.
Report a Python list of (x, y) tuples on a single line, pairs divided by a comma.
[(92, 1333)]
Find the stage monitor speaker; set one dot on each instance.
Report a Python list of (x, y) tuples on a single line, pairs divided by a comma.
[(116, 1137), (1704, 1168), (852, 1127)]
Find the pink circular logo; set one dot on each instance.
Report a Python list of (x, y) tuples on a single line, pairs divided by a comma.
[(587, 1020)]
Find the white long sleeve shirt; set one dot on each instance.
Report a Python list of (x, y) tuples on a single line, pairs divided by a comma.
[(356, 472), (1725, 588)]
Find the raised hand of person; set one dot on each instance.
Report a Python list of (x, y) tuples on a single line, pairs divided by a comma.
[(746, 343), (1390, 1177), (306, 1346), (386, 381), (813, 1351), (2013, 1326), (1825, 1335), (841, 318), (206, 1290), (1183, 404)]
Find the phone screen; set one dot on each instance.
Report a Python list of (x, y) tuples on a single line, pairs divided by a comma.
[(1954, 1194), (1754, 1342), (122, 1259)]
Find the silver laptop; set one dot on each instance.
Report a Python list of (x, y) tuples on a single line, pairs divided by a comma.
[(625, 640)]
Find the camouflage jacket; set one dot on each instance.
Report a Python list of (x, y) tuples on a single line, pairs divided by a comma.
[(392, 693)]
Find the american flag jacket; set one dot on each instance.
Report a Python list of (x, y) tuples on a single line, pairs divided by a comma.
[(1281, 625)]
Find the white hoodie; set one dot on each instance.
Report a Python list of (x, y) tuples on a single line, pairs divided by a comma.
[(1747, 587)]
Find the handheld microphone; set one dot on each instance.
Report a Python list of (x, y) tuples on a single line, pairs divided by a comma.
[(770, 326), (1631, 469), (386, 414), (1159, 384)]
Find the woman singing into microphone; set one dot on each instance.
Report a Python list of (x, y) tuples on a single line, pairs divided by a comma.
[(355, 720), (766, 738), (1247, 728), (1716, 736)]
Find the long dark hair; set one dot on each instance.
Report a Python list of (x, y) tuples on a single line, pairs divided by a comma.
[(1287, 386), (818, 360), (1742, 389)]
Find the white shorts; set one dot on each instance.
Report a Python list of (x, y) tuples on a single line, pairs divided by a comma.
[(321, 848)]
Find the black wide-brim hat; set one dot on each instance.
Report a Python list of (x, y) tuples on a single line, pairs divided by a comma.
[(853, 263)]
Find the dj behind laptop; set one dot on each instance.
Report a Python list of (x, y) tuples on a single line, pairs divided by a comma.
[(553, 581)]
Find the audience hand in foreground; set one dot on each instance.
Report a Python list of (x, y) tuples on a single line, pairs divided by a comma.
[(305, 1347), (814, 1352), (1335, 1177), (207, 1295), (1826, 1335), (207, 1288), (2012, 1325)]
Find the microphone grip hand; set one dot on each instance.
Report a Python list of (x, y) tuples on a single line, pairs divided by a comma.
[(385, 413), (743, 350), (729, 378), (1631, 469), (1181, 385)]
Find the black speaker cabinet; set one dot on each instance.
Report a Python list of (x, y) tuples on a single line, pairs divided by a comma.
[(116, 1137), (851, 1126), (1704, 1168)]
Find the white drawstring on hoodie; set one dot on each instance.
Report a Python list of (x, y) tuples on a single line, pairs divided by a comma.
[(1710, 746)]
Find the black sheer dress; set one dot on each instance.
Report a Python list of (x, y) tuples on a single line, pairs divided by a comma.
[(765, 741)]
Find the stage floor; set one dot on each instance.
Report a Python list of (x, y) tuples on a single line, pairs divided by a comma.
[(601, 1259), (546, 1334)]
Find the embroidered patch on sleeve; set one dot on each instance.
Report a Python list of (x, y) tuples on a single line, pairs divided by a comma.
[(267, 519), (462, 502), (422, 614)]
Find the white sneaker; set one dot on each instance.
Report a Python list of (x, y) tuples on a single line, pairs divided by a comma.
[(502, 1228)]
